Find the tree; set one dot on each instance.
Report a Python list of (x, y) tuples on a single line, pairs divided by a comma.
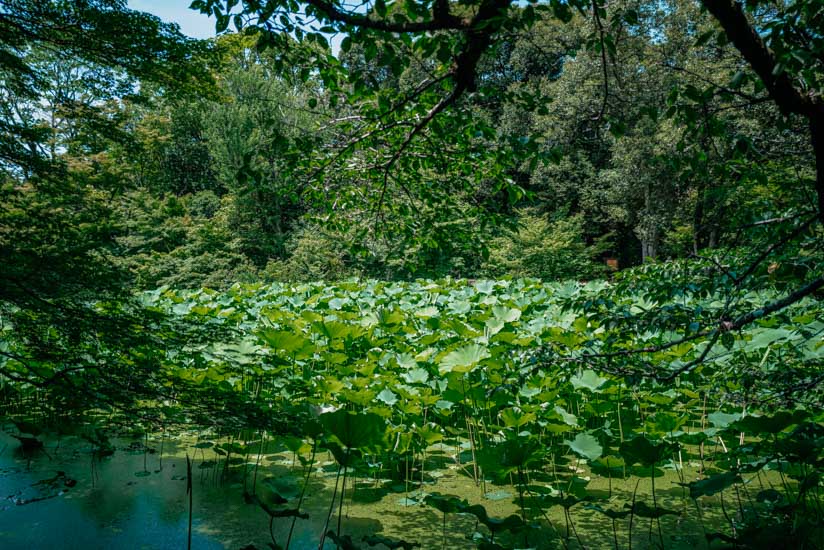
[(61, 63), (544, 249), (64, 67), (249, 135), (781, 63)]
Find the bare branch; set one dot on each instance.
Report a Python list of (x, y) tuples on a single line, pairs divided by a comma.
[(746, 319), (772, 248), (776, 220), (750, 98)]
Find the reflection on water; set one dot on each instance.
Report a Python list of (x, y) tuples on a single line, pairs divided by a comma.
[(107, 506), (64, 497)]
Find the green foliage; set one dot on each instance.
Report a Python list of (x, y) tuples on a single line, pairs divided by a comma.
[(53, 244), (713, 485), (313, 254), (586, 445), (66, 70), (408, 366), (185, 163), (655, 165), (184, 242), (545, 250), (354, 431), (641, 450), (404, 157), (463, 359)]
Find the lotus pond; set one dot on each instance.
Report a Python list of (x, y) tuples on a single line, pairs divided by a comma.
[(436, 414)]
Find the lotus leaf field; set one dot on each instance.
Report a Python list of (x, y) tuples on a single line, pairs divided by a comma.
[(515, 413)]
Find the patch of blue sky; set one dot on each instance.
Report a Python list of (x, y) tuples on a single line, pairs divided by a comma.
[(192, 22)]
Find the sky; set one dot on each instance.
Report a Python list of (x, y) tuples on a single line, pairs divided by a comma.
[(192, 23)]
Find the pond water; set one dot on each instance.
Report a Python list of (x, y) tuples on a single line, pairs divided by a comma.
[(64, 496)]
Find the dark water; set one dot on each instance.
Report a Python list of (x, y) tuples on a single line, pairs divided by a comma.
[(66, 497), (112, 502)]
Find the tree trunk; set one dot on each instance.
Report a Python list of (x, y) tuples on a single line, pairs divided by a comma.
[(712, 242), (698, 219), (817, 135), (732, 18), (649, 245), (649, 227)]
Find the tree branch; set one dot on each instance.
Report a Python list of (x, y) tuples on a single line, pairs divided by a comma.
[(441, 19), (746, 319), (745, 38)]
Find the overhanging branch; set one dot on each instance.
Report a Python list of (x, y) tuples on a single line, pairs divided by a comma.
[(745, 38), (442, 19)]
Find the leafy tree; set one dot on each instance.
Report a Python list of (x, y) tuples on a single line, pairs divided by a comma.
[(248, 136), (182, 242), (313, 255), (61, 61), (185, 161), (61, 294), (544, 249)]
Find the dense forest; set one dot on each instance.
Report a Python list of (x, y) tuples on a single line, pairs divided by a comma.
[(252, 165), (509, 260)]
